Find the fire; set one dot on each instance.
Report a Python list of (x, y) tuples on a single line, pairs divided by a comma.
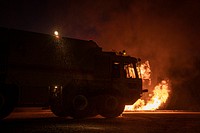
[(156, 98)]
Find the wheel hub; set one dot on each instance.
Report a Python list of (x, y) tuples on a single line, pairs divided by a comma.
[(111, 103), (80, 102)]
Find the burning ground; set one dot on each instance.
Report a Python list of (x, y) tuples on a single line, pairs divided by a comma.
[(156, 97)]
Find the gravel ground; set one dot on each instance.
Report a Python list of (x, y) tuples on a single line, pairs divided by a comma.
[(37, 120)]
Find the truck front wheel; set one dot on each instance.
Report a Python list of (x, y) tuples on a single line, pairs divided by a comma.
[(111, 106)]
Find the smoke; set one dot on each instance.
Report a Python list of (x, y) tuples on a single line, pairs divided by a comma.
[(165, 32)]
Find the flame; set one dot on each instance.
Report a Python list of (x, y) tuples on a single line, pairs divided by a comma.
[(145, 70), (157, 98)]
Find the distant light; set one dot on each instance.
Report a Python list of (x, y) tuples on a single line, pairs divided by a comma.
[(124, 52), (56, 33)]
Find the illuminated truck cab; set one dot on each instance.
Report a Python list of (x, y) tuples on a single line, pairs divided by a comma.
[(125, 75)]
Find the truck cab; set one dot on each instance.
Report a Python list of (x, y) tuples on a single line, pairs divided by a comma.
[(122, 82), (123, 72)]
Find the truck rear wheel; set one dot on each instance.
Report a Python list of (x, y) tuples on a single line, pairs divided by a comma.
[(111, 106), (8, 99), (57, 107), (58, 110), (81, 106), (56, 102)]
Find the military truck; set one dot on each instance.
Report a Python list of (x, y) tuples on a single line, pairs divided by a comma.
[(72, 77)]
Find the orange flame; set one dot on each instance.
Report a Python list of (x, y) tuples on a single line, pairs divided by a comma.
[(158, 96)]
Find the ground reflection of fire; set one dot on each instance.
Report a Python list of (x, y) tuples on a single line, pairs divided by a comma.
[(157, 98)]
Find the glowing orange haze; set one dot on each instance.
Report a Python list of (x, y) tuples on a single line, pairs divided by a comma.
[(158, 96)]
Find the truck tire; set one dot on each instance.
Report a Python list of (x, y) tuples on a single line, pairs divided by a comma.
[(111, 106), (58, 110), (57, 107), (81, 106), (8, 100), (56, 102)]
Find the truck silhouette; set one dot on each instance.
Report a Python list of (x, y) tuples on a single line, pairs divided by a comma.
[(73, 77)]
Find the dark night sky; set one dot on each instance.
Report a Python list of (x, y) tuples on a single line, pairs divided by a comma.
[(142, 27), (165, 32)]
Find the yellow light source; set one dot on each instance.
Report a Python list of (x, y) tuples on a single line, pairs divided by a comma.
[(56, 33)]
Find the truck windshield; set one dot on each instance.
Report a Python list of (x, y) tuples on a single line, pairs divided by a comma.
[(129, 71), (138, 70)]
